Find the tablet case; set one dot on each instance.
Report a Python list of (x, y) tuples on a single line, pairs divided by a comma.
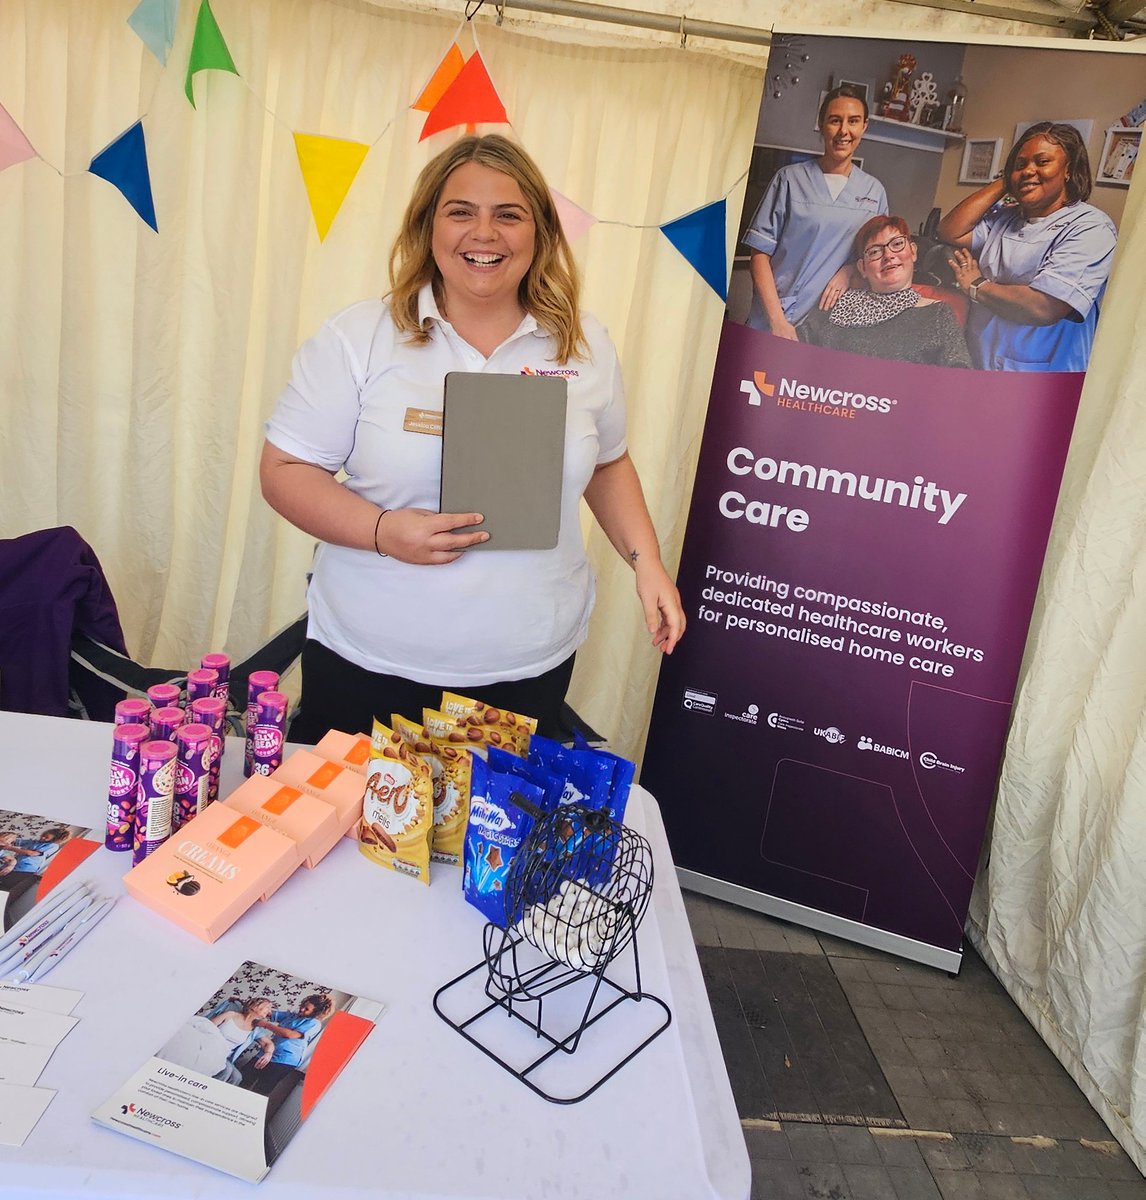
[(503, 455)]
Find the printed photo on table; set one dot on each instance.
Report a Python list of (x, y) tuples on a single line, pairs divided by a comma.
[(1000, 219), (29, 845), (259, 1032)]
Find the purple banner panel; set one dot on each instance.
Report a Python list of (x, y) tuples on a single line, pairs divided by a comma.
[(859, 568)]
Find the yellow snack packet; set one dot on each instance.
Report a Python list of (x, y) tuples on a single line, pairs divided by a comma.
[(450, 775), (397, 809), (494, 726)]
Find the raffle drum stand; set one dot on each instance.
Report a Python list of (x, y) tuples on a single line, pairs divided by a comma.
[(576, 891)]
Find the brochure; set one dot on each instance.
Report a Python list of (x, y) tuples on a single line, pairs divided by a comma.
[(232, 1085), (37, 853)]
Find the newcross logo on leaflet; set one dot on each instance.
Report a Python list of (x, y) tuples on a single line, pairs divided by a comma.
[(806, 397)]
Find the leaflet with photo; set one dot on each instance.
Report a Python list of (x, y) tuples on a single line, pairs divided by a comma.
[(36, 854), (232, 1086)]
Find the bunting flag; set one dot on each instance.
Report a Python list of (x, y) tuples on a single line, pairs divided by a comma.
[(208, 50), (700, 237), (328, 167), (14, 146), (448, 70), (123, 164), (470, 99), (154, 24), (575, 221)]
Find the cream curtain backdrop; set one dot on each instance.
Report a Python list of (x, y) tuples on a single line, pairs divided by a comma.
[(1061, 909), (138, 368)]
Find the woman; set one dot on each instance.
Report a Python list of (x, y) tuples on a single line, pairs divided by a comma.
[(889, 318), (801, 235), (482, 279), (1035, 270), (210, 1045)]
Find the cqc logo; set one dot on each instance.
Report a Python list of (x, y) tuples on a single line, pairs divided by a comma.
[(780, 721), (831, 734), (757, 387), (697, 701), (932, 762), (748, 716), (813, 397), (866, 743)]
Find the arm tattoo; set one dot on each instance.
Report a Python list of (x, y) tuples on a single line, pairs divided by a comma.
[(633, 556)]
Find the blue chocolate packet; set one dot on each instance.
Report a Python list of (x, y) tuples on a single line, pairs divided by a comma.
[(496, 828)]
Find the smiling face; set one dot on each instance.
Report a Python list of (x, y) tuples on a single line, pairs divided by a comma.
[(842, 126), (888, 262), (483, 238), (1039, 177)]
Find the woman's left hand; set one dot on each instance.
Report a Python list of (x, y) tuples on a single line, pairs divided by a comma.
[(966, 268), (664, 614)]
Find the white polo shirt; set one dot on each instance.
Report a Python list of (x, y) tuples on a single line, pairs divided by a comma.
[(489, 616)]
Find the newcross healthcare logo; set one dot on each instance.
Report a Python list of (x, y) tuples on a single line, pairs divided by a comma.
[(144, 1114), (813, 397), (756, 387), (559, 372)]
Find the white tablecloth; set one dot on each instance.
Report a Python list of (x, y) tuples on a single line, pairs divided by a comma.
[(418, 1112)]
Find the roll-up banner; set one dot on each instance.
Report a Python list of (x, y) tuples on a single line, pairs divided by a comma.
[(924, 249)]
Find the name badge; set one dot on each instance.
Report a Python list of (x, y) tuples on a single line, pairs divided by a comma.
[(423, 420)]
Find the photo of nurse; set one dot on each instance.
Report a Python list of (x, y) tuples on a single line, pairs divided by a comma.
[(1033, 256), (801, 234)]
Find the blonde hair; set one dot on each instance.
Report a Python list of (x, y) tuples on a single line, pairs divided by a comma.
[(550, 291)]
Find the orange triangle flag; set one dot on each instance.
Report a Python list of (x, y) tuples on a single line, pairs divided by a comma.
[(470, 99), (446, 73)]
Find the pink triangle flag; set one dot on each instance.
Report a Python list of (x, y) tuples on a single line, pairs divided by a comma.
[(574, 219), (14, 146)]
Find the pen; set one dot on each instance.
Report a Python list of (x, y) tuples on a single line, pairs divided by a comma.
[(44, 930), (37, 913), (67, 939)]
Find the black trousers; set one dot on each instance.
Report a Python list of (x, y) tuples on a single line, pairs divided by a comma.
[(337, 694)]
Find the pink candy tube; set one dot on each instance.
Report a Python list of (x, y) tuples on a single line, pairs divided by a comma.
[(163, 695), (257, 683), (123, 785), (201, 683), (157, 768), (165, 721), (212, 712), (267, 735), (133, 712), (222, 664), (192, 772)]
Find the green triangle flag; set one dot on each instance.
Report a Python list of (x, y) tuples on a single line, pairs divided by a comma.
[(208, 50)]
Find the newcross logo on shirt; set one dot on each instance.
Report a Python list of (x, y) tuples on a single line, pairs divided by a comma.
[(560, 372)]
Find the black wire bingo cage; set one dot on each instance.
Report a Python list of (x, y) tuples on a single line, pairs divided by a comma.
[(576, 891)]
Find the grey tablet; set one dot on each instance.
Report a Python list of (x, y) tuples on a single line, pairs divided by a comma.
[(503, 455)]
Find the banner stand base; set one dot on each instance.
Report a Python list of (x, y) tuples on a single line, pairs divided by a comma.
[(822, 922)]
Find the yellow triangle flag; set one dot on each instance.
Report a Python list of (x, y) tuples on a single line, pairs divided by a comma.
[(328, 166)]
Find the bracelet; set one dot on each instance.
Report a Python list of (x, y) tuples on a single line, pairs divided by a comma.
[(381, 554)]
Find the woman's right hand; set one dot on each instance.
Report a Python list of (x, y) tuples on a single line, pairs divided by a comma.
[(426, 538), (784, 328)]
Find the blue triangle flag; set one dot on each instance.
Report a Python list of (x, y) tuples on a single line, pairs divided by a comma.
[(700, 237), (154, 23), (123, 164)]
